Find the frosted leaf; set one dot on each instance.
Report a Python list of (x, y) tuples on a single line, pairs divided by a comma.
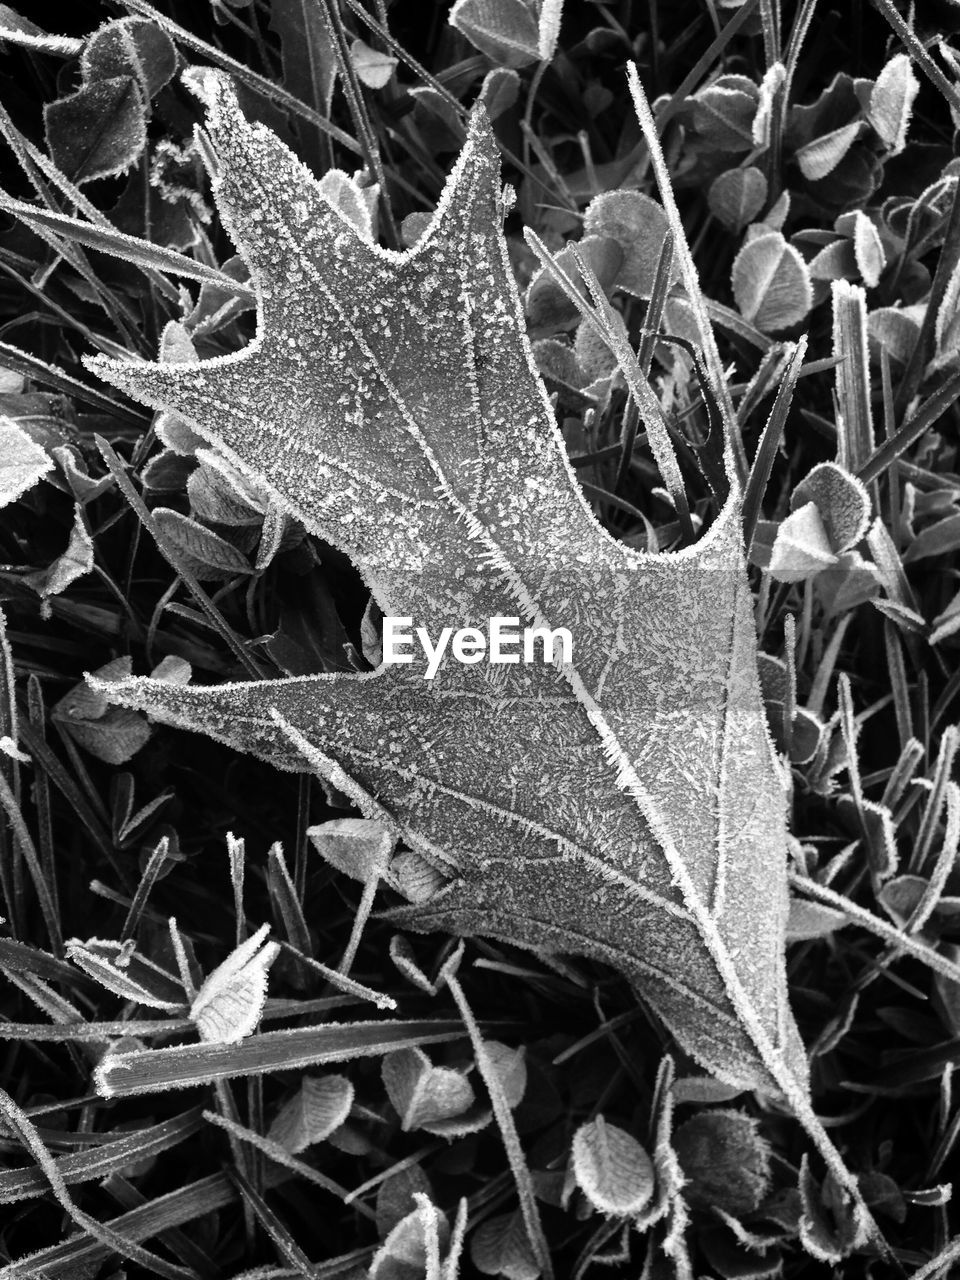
[(229, 1004), (725, 1161), (737, 196), (23, 462), (359, 847), (500, 1247), (802, 547), (319, 1106), (627, 806), (821, 156), (771, 283), (422, 1094), (507, 31), (891, 101), (611, 1168)]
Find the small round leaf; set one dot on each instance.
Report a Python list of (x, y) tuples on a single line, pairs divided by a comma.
[(725, 1161), (639, 226), (737, 196), (611, 1168), (771, 283)]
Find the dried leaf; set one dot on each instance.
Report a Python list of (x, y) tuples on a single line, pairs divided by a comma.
[(771, 283), (611, 1168), (390, 402), (22, 462)]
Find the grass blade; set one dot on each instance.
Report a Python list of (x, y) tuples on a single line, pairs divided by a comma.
[(155, 1070)]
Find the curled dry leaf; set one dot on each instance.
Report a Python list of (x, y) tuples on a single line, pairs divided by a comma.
[(391, 403)]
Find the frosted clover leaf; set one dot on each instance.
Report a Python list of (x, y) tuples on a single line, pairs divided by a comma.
[(626, 805)]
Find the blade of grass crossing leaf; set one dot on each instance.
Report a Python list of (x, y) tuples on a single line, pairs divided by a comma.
[(703, 64), (598, 318), (766, 453), (274, 1151), (507, 1127), (919, 53), (216, 618), (24, 1129), (658, 435), (40, 170), (333, 21), (648, 341), (658, 298), (156, 1070), (718, 383), (876, 925)]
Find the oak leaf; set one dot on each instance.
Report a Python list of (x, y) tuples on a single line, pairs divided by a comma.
[(626, 805)]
